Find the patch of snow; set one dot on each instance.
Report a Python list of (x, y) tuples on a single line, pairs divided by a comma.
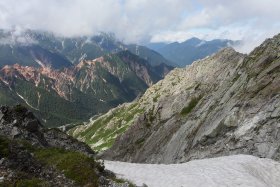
[(237, 170), (102, 100), (5, 82), (101, 42), (63, 44), (38, 101), (201, 43), (87, 41), (104, 80), (26, 101), (83, 57), (40, 63)]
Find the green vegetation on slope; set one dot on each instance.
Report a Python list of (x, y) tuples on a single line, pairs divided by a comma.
[(192, 104), (74, 165), (103, 131), (7, 97), (4, 143)]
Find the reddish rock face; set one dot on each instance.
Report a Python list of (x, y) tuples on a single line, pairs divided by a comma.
[(67, 76), (107, 81)]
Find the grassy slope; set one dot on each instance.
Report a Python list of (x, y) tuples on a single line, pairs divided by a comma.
[(102, 132)]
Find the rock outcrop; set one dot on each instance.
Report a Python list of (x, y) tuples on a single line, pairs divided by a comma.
[(226, 104), (33, 156)]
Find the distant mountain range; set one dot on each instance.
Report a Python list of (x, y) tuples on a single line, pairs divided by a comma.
[(193, 49), (65, 80), (30, 46)]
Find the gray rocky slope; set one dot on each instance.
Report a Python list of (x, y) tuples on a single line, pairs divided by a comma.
[(228, 103), (225, 104)]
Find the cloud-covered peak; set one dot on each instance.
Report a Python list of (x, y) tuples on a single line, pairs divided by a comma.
[(144, 21)]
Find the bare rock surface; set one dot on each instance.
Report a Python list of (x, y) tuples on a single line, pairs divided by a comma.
[(225, 104)]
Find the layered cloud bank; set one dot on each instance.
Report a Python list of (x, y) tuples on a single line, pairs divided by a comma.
[(143, 21)]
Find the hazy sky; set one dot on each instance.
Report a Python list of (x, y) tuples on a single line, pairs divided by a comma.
[(148, 20)]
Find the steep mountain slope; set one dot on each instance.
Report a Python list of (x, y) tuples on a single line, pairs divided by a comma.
[(76, 93), (150, 55), (228, 103), (32, 55), (7, 96), (193, 49), (33, 156)]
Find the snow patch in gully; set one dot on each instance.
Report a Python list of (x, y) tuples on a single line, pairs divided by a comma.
[(237, 170)]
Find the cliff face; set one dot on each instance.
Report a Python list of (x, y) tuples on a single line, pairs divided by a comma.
[(225, 104), (78, 92)]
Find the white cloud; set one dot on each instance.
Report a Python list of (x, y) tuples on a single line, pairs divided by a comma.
[(145, 20), (249, 20), (16, 37), (174, 36), (131, 20)]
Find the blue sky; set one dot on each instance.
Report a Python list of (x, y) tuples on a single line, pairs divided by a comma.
[(141, 21)]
